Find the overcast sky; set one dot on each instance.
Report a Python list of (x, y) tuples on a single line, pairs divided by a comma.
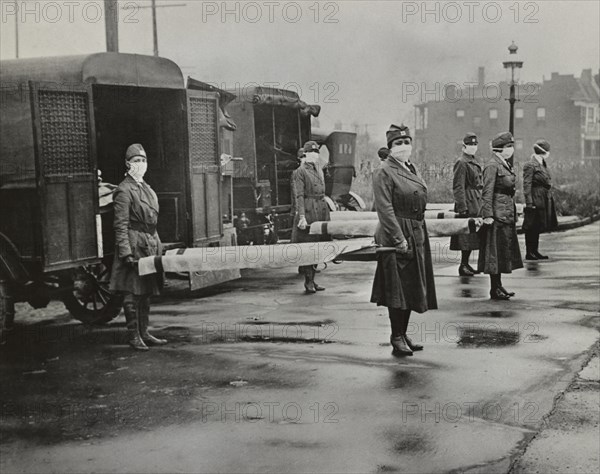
[(354, 58)]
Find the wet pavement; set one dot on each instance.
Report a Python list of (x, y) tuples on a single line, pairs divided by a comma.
[(259, 377)]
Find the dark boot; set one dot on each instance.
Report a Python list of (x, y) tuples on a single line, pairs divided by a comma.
[(465, 270), (502, 289), (495, 292), (144, 313), (405, 319), (530, 246), (133, 334), (309, 279), (536, 245), (399, 345), (317, 287)]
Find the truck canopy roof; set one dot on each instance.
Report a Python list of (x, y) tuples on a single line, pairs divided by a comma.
[(260, 95), (118, 69)]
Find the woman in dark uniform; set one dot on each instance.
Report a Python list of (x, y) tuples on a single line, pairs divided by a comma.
[(404, 278), (499, 251), (308, 185), (540, 214), (466, 186), (136, 216)]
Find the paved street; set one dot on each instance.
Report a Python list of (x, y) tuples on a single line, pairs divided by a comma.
[(262, 378)]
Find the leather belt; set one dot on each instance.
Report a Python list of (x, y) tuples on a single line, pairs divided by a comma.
[(414, 217), (140, 227), (510, 193), (314, 196)]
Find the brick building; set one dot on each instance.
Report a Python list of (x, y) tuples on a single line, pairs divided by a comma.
[(563, 109)]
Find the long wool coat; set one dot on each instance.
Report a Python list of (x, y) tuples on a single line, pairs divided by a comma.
[(136, 216), (308, 185), (400, 201), (537, 185), (499, 247), (466, 186)]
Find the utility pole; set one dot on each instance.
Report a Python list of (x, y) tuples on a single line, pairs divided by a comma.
[(154, 6), (111, 23), (16, 31)]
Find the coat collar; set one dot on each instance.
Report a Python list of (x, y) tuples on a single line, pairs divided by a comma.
[(470, 159), (502, 163), (403, 171), (312, 168), (143, 191)]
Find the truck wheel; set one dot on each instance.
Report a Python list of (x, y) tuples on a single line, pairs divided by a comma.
[(90, 301)]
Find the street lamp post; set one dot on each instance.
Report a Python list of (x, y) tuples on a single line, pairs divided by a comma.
[(514, 65)]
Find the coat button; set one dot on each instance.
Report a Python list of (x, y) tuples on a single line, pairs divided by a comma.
[(416, 192)]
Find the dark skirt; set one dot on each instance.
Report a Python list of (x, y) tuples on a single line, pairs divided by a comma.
[(499, 250), (540, 219), (464, 242), (405, 284)]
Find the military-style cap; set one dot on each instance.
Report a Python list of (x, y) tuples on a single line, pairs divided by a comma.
[(470, 139), (311, 146), (395, 132), (541, 145), (135, 150), (502, 139), (383, 153)]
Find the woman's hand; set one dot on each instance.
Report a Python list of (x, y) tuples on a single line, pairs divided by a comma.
[(130, 262), (488, 221), (402, 246), (302, 224)]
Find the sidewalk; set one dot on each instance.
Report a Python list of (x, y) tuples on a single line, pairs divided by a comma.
[(570, 438)]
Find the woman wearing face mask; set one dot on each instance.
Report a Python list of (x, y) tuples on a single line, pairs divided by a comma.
[(404, 277), (136, 216), (540, 215), (308, 185), (499, 251), (467, 185)]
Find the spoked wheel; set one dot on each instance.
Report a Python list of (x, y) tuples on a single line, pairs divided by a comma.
[(90, 301)]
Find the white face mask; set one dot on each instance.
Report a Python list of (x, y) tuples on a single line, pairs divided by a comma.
[(137, 170), (507, 152), (470, 149), (401, 152), (312, 157)]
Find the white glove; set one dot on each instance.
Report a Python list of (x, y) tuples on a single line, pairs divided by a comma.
[(488, 221), (302, 224)]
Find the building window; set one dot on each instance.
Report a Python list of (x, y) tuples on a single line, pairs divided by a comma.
[(460, 113), (591, 116), (541, 113), (518, 144), (493, 114), (519, 113), (477, 121)]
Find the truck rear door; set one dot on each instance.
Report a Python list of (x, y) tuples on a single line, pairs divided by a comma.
[(66, 174), (205, 166)]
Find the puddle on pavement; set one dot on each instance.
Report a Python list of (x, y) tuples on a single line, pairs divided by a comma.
[(487, 337), (492, 314), (533, 268), (292, 340), (406, 378)]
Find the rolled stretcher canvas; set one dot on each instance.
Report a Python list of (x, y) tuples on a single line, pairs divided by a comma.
[(247, 256), (435, 227)]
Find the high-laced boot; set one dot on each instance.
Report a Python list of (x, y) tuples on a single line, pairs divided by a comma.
[(309, 279), (144, 315), (399, 345), (405, 319), (133, 333)]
